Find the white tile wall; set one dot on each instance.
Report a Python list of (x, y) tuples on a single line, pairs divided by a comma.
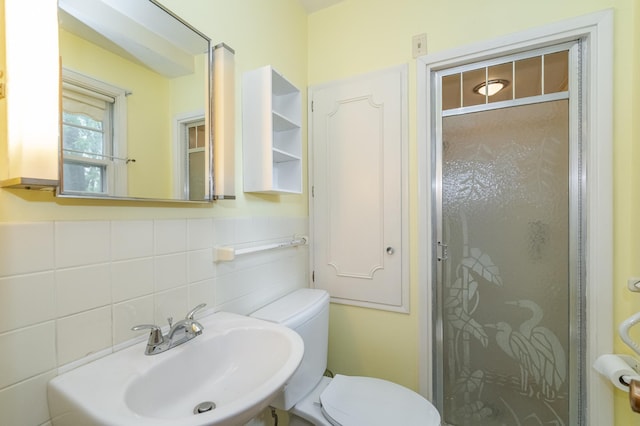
[(170, 236), (83, 334), (26, 248), (74, 288), (131, 279), (25, 404), (81, 243), (32, 299), (202, 292), (131, 239), (81, 289), (36, 343), (200, 233), (171, 304), (199, 266), (170, 271)]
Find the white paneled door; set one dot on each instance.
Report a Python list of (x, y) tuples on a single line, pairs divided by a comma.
[(358, 184)]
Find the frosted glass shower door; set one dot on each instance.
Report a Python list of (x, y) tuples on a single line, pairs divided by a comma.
[(505, 286)]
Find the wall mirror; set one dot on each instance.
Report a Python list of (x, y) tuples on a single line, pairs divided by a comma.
[(136, 96)]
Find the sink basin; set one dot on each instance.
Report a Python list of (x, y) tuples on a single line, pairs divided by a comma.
[(238, 363)]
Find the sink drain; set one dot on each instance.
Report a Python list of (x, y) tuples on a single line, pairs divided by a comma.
[(203, 407)]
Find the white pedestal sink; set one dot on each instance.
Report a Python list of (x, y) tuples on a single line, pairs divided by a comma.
[(238, 364)]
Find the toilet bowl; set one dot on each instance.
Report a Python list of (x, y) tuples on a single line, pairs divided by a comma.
[(352, 400), (313, 399)]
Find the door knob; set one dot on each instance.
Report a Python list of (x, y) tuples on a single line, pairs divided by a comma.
[(390, 250)]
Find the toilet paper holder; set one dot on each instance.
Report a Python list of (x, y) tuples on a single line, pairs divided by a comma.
[(624, 328), (634, 384), (624, 373)]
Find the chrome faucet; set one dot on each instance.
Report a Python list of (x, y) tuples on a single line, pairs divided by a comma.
[(180, 332)]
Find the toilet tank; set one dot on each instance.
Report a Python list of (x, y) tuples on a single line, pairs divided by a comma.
[(306, 311)]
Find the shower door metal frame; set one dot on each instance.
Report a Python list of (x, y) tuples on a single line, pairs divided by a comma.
[(576, 219), (596, 33)]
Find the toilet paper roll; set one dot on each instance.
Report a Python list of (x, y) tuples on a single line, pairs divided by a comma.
[(620, 369)]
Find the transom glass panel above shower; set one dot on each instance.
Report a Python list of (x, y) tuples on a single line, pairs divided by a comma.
[(506, 81)]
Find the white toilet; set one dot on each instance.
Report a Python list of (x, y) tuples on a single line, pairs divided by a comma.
[(312, 399)]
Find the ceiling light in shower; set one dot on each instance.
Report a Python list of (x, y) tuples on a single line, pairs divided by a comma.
[(491, 87)]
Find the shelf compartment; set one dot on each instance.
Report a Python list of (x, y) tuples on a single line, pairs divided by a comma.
[(283, 156), (271, 133), (282, 123), (288, 106), (288, 141), (286, 177)]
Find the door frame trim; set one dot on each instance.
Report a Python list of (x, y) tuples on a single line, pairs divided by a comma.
[(596, 31)]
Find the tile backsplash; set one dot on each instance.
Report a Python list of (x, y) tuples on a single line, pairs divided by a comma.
[(70, 290)]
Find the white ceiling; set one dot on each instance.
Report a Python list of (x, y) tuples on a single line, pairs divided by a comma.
[(315, 5)]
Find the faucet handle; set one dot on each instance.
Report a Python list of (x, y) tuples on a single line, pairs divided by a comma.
[(194, 310), (155, 337)]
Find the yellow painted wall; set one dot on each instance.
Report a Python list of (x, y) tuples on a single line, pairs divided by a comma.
[(261, 32), (188, 92), (358, 36)]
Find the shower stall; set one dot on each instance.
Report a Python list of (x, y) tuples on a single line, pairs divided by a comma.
[(508, 240)]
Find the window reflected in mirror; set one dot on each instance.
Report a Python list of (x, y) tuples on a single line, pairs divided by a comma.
[(196, 156), (92, 136)]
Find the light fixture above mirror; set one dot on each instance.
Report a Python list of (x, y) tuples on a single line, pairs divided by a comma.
[(31, 103)]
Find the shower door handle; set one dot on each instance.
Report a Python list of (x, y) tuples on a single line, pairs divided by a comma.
[(442, 252)]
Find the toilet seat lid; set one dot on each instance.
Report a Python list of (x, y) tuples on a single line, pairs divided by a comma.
[(357, 401)]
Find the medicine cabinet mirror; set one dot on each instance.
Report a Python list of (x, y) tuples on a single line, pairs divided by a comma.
[(136, 96)]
